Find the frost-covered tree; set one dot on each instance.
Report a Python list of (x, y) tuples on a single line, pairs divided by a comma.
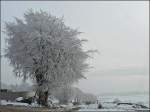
[(43, 48)]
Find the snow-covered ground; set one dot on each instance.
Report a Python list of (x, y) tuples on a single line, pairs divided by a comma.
[(4, 102), (110, 107), (133, 98), (103, 110), (109, 103)]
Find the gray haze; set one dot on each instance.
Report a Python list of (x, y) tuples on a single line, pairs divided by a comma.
[(118, 30)]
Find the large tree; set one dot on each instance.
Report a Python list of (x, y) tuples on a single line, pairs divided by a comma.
[(43, 48)]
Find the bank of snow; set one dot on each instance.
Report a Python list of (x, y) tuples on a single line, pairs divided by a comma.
[(3, 102)]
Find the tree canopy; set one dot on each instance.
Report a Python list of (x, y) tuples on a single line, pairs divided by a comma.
[(43, 48)]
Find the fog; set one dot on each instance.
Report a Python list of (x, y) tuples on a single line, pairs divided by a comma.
[(118, 30)]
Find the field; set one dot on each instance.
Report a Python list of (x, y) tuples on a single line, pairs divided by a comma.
[(42, 109), (29, 109)]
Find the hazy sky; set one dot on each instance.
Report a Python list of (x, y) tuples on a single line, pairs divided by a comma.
[(118, 30)]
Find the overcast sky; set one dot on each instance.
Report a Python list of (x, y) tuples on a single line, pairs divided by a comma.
[(118, 30)]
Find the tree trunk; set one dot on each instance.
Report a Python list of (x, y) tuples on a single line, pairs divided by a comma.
[(42, 94), (43, 98)]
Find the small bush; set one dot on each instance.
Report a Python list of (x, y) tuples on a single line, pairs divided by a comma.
[(100, 106), (88, 102), (76, 103)]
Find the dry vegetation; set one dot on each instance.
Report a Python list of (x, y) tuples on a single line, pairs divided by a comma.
[(28, 109)]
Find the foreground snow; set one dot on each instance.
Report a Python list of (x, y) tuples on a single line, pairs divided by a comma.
[(3, 102), (103, 110), (131, 98), (113, 110), (108, 105), (114, 106)]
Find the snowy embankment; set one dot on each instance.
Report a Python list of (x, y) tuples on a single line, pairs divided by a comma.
[(3, 102)]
